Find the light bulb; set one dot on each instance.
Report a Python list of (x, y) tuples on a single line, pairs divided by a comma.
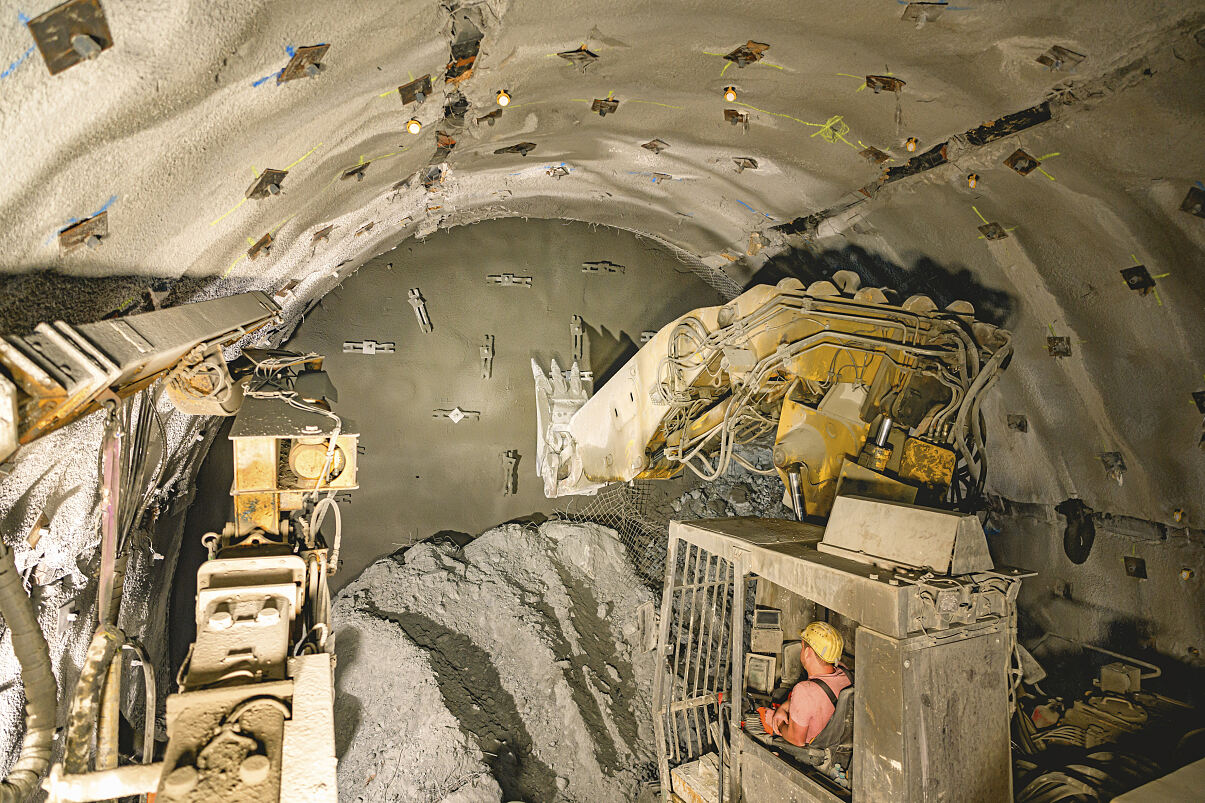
[(503, 97), (730, 93), (911, 144), (973, 180), (414, 126)]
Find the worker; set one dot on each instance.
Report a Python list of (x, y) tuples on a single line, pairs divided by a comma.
[(810, 705)]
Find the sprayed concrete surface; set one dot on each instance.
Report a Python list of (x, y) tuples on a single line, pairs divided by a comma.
[(167, 129), (421, 474), (511, 668)]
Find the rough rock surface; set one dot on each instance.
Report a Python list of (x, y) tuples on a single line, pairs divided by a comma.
[(506, 669)]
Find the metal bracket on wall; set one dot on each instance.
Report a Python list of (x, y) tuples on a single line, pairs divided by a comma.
[(90, 232), (508, 280), (367, 347), (420, 310), (487, 356), (70, 33), (266, 183), (306, 63)]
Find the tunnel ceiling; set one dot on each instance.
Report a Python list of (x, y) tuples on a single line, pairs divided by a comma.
[(166, 130)]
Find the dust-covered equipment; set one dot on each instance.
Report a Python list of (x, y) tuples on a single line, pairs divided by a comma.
[(934, 630), (60, 372), (860, 396), (253, 716)]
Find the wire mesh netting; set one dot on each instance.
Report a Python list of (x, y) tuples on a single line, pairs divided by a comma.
[(625, 508)]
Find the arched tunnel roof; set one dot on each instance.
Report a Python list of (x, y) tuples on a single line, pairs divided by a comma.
[(806, 171)]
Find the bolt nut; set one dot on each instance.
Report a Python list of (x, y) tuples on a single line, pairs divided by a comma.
[(273, 189), (254, 769), (92, 240), (268, 615), (180, 781), (220, 620), (87, 47)]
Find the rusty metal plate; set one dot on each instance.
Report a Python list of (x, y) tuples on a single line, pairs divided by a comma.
[(262, 246), (874, 155), (262, 187), (355, 171), (416, 91), (736, 116), (1018, 423), (1022, 162), (55, 31), (77, 234), (1058, 57), (744, 163), (367, 227), (322, 234), (655, 145), (747, 53), (582, 57), (1194, 202), (993, 231), (604, 106), (521, 148), (299, 65), (1058, 346), (927, 464), (884, 83), (1138, 278)]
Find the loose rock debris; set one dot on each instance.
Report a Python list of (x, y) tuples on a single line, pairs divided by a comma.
[(511, 667)]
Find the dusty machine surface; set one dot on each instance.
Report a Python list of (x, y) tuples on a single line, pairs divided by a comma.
[(253, 716), (834, 377), (932, 656)]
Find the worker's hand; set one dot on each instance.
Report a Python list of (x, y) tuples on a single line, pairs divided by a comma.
[(780, 719)]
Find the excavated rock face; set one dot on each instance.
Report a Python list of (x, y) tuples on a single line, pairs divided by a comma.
[(509, 668)]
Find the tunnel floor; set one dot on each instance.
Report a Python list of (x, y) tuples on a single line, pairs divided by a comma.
[(421, 474)]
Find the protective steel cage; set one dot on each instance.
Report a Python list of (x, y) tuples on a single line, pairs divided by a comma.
[(693, 653)]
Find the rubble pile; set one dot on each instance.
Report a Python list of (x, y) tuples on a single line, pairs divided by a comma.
[(511, 667)]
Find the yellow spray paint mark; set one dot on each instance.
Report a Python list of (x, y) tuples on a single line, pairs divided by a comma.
[(387, 94), (727, 64), (1161, 276), (1044, 173), (654, 103), (228, 213), (307, 153), (776, 114), (278, 226), (237, 260), (250, 240), (977, 212), (1048, 156)]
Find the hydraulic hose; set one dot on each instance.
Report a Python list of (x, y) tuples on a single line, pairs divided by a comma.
[(41, 689)]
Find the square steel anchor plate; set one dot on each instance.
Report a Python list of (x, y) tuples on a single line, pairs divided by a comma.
[(78, 234), (55, 33), (264, 183), (416, 91), (299, 65), (1022, 162)]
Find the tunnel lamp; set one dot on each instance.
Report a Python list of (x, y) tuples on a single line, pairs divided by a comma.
[(503, 97), (973, 180), (414, 126), (910, 144), (730, 93)]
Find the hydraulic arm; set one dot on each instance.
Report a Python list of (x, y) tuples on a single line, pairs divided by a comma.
[(856, 392)]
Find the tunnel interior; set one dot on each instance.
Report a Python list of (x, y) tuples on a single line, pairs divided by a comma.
[(441, 195)]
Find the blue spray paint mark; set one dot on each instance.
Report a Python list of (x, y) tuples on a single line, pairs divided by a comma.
[(22, 18), (17, 63), (751, 209), (1200, 186), (288, 49)]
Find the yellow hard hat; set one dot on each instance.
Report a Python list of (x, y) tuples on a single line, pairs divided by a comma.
[(825, 640)]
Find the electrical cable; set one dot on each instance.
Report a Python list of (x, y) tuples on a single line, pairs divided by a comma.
[(37, 676)]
